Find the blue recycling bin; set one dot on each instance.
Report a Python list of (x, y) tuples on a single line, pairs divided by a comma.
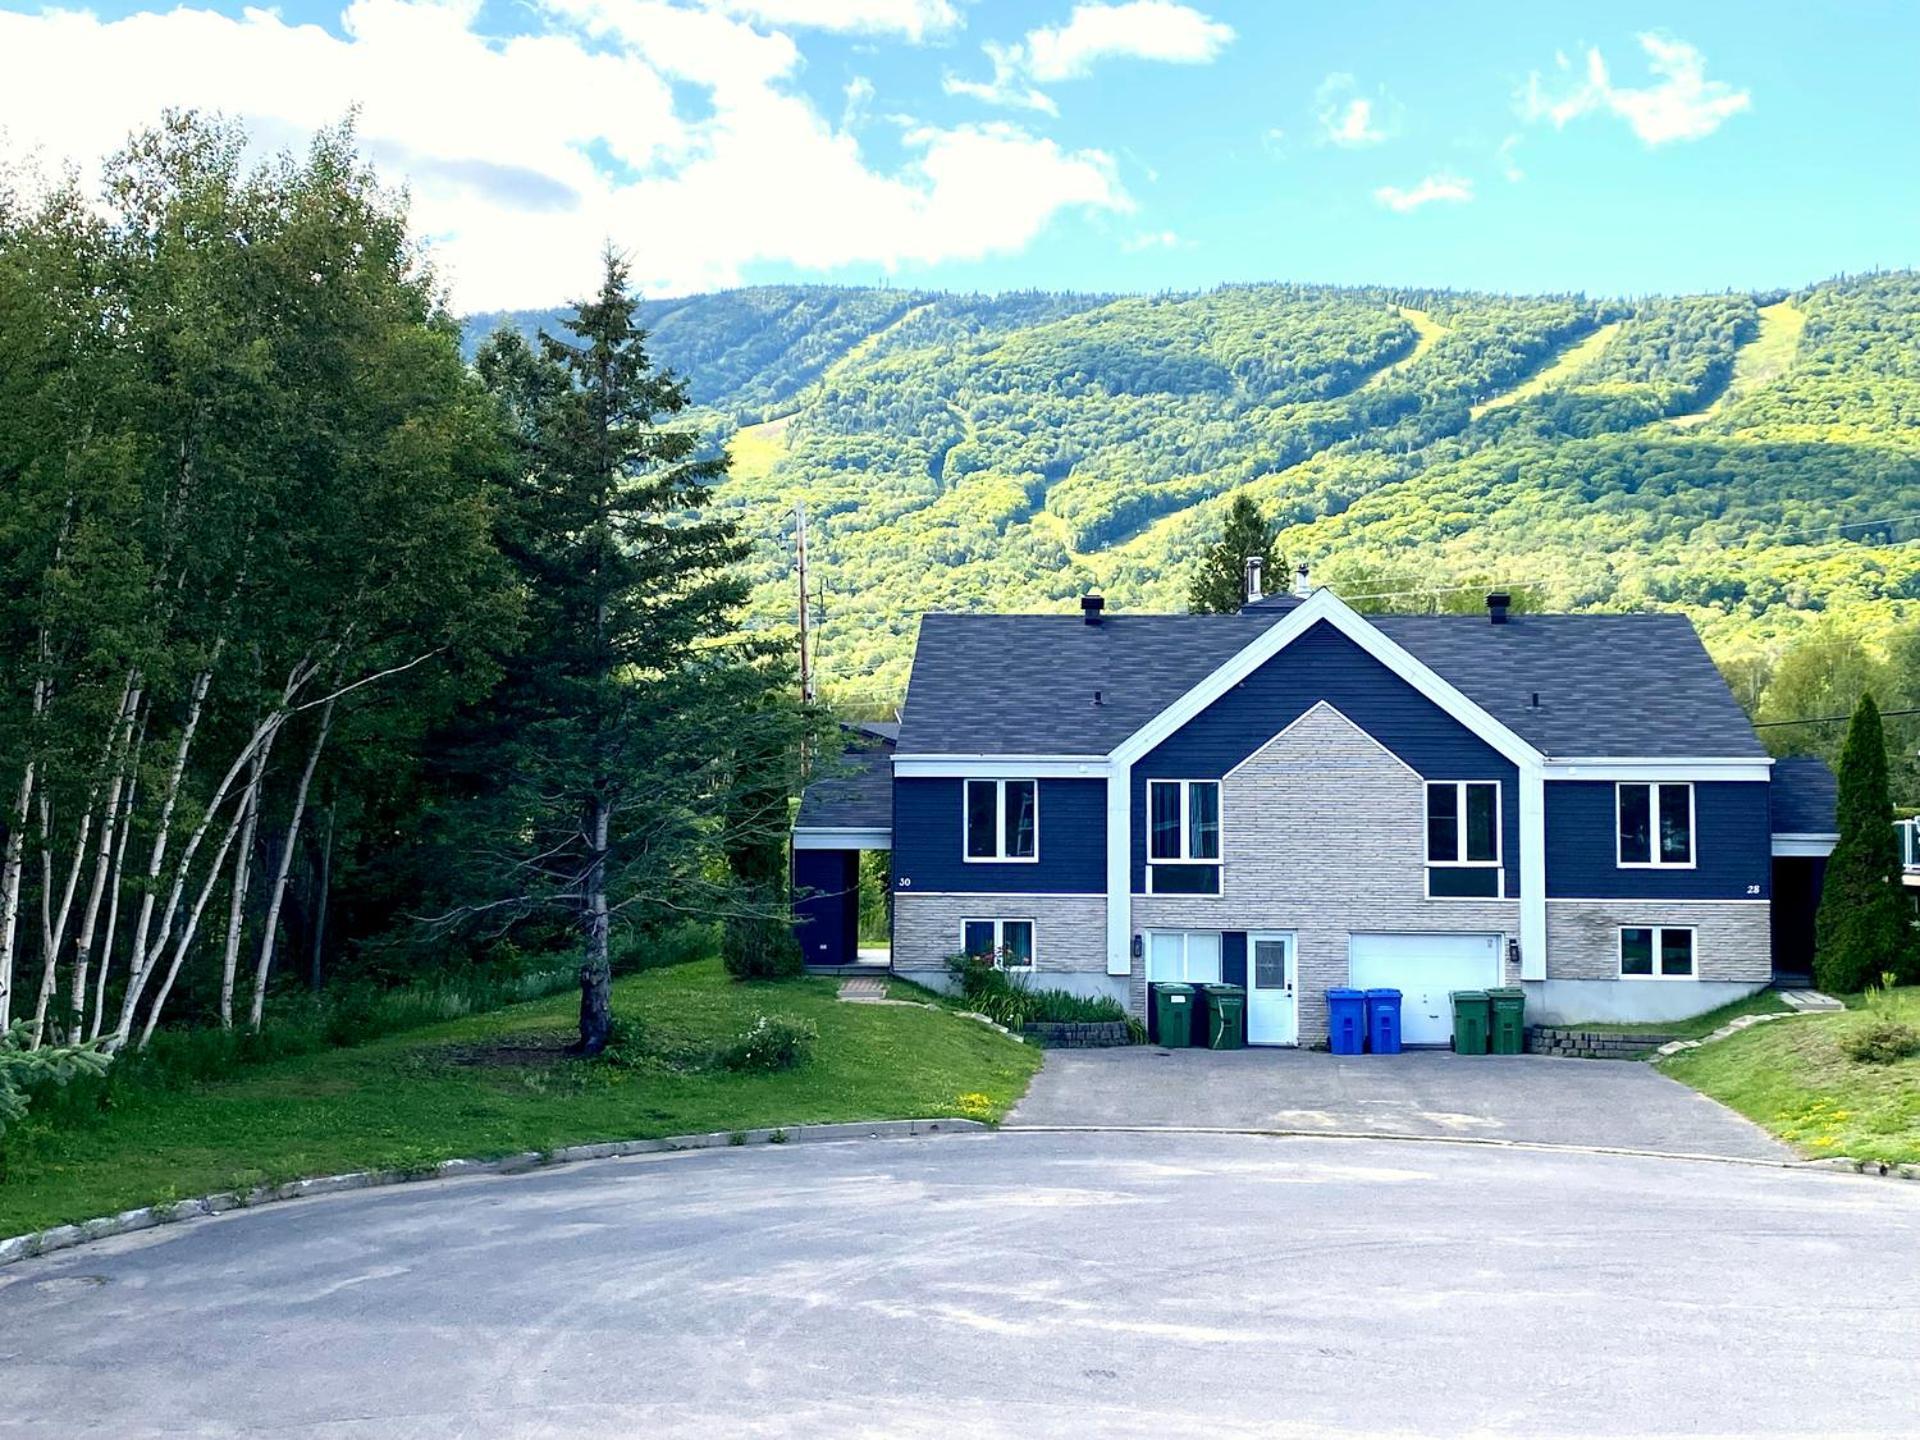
[(1383, 1022), (1347, 1022)]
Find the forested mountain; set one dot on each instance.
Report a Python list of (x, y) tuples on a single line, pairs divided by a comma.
[(1754, 459)]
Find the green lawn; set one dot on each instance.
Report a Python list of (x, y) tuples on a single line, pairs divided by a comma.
[(1792, 1078), (1767, 1002), (493, 1084)]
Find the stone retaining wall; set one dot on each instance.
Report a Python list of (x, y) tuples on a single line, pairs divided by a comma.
[(1591, 1044), (1078, 1034)]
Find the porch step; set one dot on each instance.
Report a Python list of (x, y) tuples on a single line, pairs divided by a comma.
[(1809, 1001)]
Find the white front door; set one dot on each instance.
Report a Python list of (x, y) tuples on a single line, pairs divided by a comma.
[(1426, 970), (1272, 1018)]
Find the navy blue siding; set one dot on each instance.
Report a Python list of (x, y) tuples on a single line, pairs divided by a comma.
[(1324, 665), (1233, 957), (1732, 845), (929, 851), (826, 922)]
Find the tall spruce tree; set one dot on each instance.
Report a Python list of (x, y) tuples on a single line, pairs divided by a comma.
[(608, 766), (1863, 928), (1218, 584)]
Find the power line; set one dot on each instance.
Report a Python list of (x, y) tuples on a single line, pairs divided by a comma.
[(1827, 719)]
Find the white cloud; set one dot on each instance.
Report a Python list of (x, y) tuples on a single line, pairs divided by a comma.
[(1152, 240), (1137, 30), (1007, 87), (859, 92), (915, 20), (517, 193), (1503, 156), (1351, 119), (1681, 104), (1443, 186)]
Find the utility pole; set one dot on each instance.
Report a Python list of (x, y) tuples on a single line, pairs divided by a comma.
[(800, 547)]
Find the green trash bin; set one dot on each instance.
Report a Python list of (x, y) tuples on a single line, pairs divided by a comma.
[(1509, 1029), (1472, 1012), (1226, 1015), (1173, 1014)]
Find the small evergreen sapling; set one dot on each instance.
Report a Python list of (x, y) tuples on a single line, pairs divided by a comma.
[(1864, 926), (1218, 586)]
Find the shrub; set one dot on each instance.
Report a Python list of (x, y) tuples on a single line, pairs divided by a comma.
[(772, 1042), (1009, 1000), (760, 948), (1881, 1042)]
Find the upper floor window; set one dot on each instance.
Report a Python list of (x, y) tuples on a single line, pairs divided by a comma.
[(1463, 839), (1655, 824), (1002, 820), (1183, 821)]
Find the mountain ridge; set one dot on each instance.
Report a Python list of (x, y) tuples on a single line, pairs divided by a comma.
[(1741, 456)]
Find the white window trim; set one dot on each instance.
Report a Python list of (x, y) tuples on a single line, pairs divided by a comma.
[(1460, 826), (999, 857), (999, 940), (1186, 956), (1693, 951), (1499, 862), (1653, 787), (1186, 834)]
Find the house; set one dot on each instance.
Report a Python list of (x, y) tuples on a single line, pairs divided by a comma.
[(1298, 796)]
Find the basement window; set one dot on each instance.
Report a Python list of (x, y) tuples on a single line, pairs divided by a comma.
[(1656, 952), (1007, 943)]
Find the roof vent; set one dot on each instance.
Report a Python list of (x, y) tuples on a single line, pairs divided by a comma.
[(1251, 586), (1097, 700), (1497, 604), (1302, 581), (1090, 608)]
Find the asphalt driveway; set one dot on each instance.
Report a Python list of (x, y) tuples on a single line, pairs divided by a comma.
[(1533, 1098), (1025, 1285)]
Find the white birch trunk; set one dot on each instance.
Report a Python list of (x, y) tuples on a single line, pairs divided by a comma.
[(16, 862), (264, 966), (192, 927), (237, 901), (103, 861), (145, 962), (163, 832), (116, 888)]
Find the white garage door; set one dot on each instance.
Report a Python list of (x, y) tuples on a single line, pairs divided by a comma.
[(1425, 969)]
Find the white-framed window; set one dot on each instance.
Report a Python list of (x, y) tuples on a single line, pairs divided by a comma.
[(1008, 943), (1183, 821), (1656, 952), (1654, 825), (1184, 955), (1464, 834), (1000, 820), (1183, 837)]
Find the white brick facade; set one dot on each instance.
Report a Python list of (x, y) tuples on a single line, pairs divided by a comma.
[(1324, 835), (1069, 931), (1732, 938)]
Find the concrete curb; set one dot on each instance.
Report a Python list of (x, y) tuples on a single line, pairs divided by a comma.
[(1485, 1142), (65, 1237)]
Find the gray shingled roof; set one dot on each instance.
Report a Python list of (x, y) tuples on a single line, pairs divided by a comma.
[(1804, 796), (859, 793), (1608, 685)]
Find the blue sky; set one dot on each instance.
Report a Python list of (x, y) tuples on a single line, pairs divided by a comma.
[(1132, 145)]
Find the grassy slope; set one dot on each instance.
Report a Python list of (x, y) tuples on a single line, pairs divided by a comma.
[(413, 1099), (1792, 1078), (1758, 363), (1767, 1002), (1565, 367)]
